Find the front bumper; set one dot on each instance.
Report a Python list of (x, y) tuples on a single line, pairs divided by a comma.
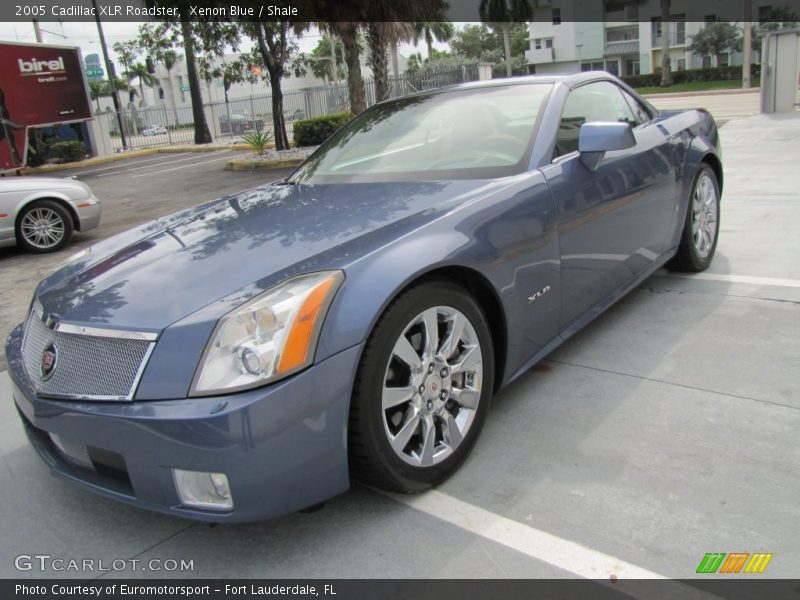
[(88, 216), (282, 447)]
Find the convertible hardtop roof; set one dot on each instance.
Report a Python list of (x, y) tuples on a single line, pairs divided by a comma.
[(570, 80)]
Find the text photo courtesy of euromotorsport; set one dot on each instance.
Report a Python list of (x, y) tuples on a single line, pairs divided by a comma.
[(166, 590)]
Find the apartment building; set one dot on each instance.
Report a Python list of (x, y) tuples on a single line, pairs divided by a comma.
[(623, 37)]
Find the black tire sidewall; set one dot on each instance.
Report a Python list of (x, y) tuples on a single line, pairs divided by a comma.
[(50, 205), (401, 475)]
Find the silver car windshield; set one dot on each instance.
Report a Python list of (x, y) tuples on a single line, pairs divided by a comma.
[(461, 134)]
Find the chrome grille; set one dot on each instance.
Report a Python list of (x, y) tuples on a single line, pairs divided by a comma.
[(88, 366)]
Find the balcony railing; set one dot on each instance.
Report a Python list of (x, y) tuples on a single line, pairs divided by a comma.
[(676, 38), (539, 56)]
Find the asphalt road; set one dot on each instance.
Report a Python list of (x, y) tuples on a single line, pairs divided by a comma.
[(665, 430), (132, 192)]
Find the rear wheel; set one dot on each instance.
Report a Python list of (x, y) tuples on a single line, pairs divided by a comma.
[(422, 390), (701, 227), (44, 226)]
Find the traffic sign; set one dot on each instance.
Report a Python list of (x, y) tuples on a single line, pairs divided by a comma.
[(94, 73)]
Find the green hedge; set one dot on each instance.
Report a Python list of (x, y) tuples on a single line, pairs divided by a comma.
[(312, 132), (69, 151), (714, 74)]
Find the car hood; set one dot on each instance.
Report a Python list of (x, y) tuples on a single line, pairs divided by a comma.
[(153, 276), (30, 184)]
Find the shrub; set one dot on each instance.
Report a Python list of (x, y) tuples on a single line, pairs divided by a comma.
[(314, 131), (69, 151), (729, 73), (258, 141)]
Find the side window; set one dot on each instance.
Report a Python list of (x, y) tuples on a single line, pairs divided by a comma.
[(640, 112), (601, 101)]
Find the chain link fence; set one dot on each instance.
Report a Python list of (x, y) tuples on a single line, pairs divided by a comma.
[(166, 125)]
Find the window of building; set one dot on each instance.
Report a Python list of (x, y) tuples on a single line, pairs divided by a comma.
[(723, 60), (537, 44), (655, 27), (556, 16), (681, 64), (632, 67), (707, 61), (548, 43), (601, 101), (612, 66)]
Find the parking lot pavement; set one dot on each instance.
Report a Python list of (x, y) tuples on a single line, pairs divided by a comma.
[(665, 430), (132, 192)]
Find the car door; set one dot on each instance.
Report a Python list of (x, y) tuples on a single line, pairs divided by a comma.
[(613, 220)]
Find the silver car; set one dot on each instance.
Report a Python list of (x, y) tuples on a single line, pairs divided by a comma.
[(40, 213)]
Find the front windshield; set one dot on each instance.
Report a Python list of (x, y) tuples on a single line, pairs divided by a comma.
[(462, 134)]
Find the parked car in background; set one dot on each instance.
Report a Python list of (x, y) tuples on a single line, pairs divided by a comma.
[(246, 358), (238, 123), (154, 130), (41, 213)]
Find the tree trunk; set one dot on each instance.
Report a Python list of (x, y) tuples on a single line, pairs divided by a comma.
[(507, 48), (429, 41), (747, 47), (172, 98), (666, 75), (278, 121), (378, 62), (355, 82), (201, 133), (395, 66)]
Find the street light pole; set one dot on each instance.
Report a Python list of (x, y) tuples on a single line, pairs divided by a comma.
[(110, 72), (747, 43)]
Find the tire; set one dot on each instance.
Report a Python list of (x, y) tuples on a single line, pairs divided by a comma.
[(387, 446), (702, 219), (43, 226)]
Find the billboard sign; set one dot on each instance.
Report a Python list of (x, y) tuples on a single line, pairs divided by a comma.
[(39, 85)]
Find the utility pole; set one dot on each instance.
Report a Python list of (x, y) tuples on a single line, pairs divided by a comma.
[(748, 43), (110, 72), (37, 31)]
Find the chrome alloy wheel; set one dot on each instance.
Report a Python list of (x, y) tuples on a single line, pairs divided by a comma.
[(42, 228), (432, 386), (704, 221)]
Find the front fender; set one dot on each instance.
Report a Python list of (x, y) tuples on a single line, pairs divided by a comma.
[(509, 240)]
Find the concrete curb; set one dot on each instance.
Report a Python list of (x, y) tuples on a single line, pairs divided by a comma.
[(252, 165), (708, 93), (101, 160)]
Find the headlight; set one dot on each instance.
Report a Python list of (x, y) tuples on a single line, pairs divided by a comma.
[(269, 337)]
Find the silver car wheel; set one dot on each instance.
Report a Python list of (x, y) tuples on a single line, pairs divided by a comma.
[(432, 386), (704, 222), (42, 228)]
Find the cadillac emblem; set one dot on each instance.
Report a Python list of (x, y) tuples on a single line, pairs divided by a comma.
[(49, 360)]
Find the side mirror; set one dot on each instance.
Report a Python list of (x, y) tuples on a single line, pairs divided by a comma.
[(595, 139)]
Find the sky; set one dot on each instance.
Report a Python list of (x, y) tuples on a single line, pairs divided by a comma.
[(85, 36)]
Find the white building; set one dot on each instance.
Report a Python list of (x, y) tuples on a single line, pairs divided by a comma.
[(624, 37)]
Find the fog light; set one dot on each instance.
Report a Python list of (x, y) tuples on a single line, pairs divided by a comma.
[(201, 489)]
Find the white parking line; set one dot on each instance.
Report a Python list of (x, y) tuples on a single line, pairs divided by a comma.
[(773, 281), (161, 164), (117, 166), (561, 553), (149, 173)]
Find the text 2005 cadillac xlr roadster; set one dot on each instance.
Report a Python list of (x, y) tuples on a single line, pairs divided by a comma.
[(246, 358)]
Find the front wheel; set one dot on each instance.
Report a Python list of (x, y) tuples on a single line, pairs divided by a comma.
[(44, 226), (422, 390), (701, 227)]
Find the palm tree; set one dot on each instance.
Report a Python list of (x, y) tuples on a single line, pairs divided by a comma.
[(501, 13), (139, 70), (348, 33), (101, 89), (169, 59), (666, 75), (380, 35), (202, 135), (441, 31)]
